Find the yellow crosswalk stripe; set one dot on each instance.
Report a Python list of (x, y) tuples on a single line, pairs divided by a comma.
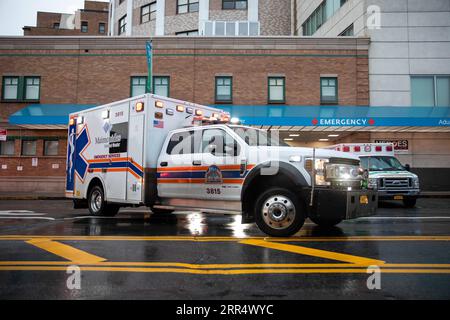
[(313, 252), (67, 252)]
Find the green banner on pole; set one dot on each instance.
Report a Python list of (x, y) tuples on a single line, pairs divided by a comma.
[(149, 48)]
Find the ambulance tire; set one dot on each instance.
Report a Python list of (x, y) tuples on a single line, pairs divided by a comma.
[(325, 223), (158, 211), (409, 202), (97, 204), (279, 212)]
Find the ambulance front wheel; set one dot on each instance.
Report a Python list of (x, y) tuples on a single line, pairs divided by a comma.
[(97, 204), (279, 212)]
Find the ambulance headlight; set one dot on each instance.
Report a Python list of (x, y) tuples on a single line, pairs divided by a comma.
[(341, 172), (415, 183)]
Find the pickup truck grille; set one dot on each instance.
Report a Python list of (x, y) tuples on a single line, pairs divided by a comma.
[(395, 183)]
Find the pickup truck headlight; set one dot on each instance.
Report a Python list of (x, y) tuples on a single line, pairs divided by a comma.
[(373, 183), (415, 183)]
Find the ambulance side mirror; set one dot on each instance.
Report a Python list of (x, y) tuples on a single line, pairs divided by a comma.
[(407, 167), (212, 149)]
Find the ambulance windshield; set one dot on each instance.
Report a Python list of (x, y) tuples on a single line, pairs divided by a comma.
[(259, 138), (381, 163)]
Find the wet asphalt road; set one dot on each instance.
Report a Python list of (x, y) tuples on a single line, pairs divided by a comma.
[(190, 255)]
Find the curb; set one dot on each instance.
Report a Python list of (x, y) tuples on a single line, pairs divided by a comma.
[(28, 197)]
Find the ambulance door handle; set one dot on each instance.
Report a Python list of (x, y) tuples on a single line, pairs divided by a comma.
[(196, 163), (164, 164)]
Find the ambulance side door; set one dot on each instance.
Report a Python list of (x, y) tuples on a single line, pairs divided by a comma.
[(116, 168), (224, 166), (175, 166)]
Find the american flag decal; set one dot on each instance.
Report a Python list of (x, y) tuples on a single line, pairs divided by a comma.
[(158, 124)]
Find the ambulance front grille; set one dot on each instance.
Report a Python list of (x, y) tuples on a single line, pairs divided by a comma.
[(395, 183)]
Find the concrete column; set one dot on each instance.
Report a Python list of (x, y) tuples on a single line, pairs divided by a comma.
[(203, 14), (129, 27), (253, 10), (112, 12), (160, 17)]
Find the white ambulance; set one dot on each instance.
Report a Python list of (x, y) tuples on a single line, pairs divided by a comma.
[(169, 154), (386, 174)]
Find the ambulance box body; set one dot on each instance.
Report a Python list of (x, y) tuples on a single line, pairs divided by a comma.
[(123, 138)]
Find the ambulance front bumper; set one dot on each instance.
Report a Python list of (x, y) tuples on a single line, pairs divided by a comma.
[(341, 204)]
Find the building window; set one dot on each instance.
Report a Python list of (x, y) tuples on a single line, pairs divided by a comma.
[(325, 10), (148, 12), (190, 33), (276, 89), (51, 147), (185, 6), (7, 148), (10, 88), (101, 28), (20, 88), (161, 86), (431, 91), (138, 85), (230, 28), (56, 25), (122, 24), (32, 86), (349, 32), (84, 26), (224, 89), (328, 90), (28, 147), (234, 4)]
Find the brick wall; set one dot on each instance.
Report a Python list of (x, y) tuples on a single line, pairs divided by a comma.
[(99, 72)]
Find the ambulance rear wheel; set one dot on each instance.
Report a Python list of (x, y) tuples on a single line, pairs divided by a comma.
[(279, 212), (97, 204)]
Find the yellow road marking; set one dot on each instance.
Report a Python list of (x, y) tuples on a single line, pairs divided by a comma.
[(313, 252), (222, 272), (223, 239), (63, 250), (223, 266)]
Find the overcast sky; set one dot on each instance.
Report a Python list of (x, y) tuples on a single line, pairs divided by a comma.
[(14, 14)]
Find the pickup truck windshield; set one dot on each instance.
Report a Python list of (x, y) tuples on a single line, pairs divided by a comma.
[(259, 138), (381, 163)]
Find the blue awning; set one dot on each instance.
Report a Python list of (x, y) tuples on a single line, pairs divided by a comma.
[(46, 114), (56, 115), (340, 116)]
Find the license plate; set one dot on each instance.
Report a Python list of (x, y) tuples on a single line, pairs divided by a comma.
[(398, 197), (363, 200)]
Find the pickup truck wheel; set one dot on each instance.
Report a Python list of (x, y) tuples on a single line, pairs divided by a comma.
[(97, 204), (161, 211), (409, 202), (327, 223), (279, 212)]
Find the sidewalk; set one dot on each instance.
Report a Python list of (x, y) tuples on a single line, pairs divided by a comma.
[(60, 196)]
